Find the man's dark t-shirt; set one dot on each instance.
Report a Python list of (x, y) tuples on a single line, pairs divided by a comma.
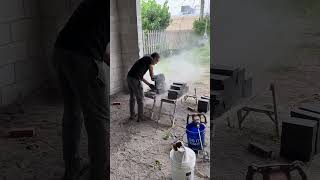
[(140, 67), (87, 31)]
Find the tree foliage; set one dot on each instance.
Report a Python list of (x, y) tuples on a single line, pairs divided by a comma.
[(155, 16), (199, 25)]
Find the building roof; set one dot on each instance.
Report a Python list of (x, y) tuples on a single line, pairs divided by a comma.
[(181, 23)]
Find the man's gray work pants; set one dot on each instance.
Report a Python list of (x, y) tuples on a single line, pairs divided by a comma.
[(136, 93), (85, 90)]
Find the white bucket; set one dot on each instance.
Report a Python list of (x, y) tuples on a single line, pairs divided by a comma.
[(182, 164)]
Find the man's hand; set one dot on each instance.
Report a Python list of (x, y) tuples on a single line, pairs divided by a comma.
[(152, 86)]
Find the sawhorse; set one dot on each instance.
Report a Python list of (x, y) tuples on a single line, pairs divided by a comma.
[(153, 97), (172, 116)]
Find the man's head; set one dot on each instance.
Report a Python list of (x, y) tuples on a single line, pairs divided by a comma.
[(155, 58)]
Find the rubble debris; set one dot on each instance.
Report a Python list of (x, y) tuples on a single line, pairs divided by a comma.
[(21, 132), (150, 94), (158, 164), (260, 150), (32, 146), (201, 174), (191, 109)]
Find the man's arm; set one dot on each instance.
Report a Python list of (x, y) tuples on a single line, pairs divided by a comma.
[(151, 72), (149, 84), (145, 81)]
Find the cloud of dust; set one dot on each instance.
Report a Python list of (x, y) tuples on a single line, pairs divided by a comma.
[(257, 35), (182, 67)]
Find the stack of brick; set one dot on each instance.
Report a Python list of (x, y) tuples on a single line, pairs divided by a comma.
[(305, 144), (177, 89), (229, 84)]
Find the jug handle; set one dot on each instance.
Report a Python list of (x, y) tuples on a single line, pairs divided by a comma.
[(205, 118)]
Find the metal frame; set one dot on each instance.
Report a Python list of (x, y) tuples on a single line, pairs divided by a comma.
[(172, 116), (191, 96), (273, 115), (153, 106), (268, 170)]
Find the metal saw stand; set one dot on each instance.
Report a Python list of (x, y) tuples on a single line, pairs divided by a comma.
[(172, 117), (185, 98), (154, 98)]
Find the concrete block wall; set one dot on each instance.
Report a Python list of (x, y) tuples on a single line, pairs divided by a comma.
[(21, 63), (116, 71), (130, 38)]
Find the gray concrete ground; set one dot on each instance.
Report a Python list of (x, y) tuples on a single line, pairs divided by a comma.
[(296, 84), (136, 147)]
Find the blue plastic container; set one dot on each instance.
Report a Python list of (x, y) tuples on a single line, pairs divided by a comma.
[(193, 136)]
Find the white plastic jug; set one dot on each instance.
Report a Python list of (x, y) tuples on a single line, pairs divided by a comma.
[(183, 162)]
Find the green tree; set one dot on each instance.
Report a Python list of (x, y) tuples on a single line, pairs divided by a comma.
[(200, 25), (155, 16)]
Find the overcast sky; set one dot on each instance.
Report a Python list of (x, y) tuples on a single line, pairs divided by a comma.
[(175, 5)]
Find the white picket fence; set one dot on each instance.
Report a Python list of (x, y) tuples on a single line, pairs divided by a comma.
[(161, 41)]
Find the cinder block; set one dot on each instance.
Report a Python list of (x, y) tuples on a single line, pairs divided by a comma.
[(218, 82), (176, 87), (22, 132), (24, 30), (311, 107), (115, 61), (298, 139), (223, 70), (129, 46), (6, 74), (203, 105), (4, 33), (13, 52), (174, 94), (11, 9), (312, 117)]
